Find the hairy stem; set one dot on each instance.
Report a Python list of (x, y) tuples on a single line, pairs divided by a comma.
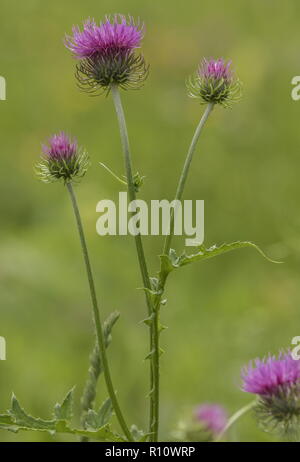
[(138, 240), (234, 418), (97, 319)]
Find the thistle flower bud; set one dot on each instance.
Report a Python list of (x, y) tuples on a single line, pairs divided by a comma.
[(276, 382), (106, 54), (62, 160), (214, 82), (213, 417), (205, 425)]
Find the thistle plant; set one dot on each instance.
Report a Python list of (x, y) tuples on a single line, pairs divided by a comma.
[(62, 160), (108, 60)]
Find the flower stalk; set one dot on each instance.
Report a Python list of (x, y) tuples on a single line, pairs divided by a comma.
[(138, 240), (162, 282), (96, 314), (237, 415), (185, 171)]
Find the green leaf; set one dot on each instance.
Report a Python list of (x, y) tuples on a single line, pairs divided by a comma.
[(101, 434), (98, 419), (6, 419), (22, 419), (171, 262), (138, 435), (18, 420), (64, 411)]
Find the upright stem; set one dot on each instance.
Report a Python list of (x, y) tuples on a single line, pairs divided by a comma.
[(138, 240), (167, 246), (97, 319), (185, 172), (234, 418)]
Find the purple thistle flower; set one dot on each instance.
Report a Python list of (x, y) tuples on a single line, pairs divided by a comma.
[(268, 375), (276, 382), (62, 159), (215, 69), (212, 416), (60, 147), (116, 35), (214, 82), (106, 53)]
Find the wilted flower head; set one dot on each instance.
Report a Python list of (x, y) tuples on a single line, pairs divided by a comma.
[(215, 82), (276, 382), (62, 159), (212, 416), (106, 53)]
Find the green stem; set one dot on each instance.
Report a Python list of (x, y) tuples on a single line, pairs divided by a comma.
[(138, 240), (234, 418), (167, 246), (185, 172), (97, 319)]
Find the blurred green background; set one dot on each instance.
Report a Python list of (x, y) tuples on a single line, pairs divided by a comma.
[(221, 313)]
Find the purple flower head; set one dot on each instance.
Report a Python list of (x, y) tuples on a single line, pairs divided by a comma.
[(276, 382), (212, 416), (266, 376), (214, 82), (106, 53), (62, 159), (114, 35), (60, 147), (216, 69)]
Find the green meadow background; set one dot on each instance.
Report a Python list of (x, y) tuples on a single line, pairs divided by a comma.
[(221, 313)]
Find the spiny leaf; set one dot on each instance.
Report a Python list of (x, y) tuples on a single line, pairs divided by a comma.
[(138, 435), (24, 420), (64, 411), (101, 434), (204, 254), (19, 420), (171, 262), (98, 419), (6, 419)]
